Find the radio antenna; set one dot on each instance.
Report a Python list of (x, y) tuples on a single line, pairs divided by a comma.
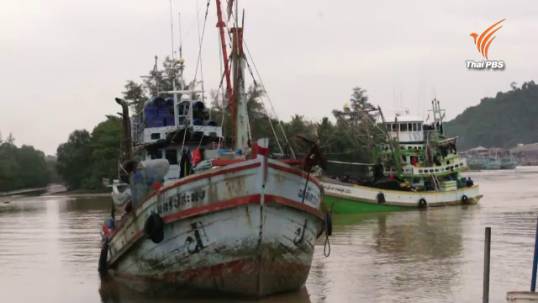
[(180, 36), (171, 29)]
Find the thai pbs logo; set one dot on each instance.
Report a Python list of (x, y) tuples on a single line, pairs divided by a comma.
[(483, 43)]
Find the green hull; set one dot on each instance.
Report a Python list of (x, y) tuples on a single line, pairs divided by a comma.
[(348, 206)]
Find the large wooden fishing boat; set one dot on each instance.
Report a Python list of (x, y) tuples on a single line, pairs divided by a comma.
[(205, 214), (417, 167)]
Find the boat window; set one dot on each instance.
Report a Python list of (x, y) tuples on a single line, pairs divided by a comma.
[(403, 127), (155, 154), (395, 127), (414, 127), (199, 113), (183, 108), (419, 126), (171, 156), (155, 136)]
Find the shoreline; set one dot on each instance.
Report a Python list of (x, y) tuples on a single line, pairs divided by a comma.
[(52, 190)]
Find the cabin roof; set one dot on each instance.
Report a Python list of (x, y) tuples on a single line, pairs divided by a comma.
[(403, 118)]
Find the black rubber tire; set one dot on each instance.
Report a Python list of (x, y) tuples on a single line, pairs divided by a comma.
[(154, 228), (381, 198), (328, 224), (464, 199), (103, 266), (422, 203)]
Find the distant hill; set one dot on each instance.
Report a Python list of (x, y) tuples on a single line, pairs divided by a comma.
[(504, 121)]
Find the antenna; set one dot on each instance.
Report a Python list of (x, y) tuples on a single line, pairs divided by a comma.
[(180, 36), (171, 30)]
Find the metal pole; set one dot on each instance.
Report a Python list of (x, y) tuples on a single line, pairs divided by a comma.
[(487, 246), (535, 260)]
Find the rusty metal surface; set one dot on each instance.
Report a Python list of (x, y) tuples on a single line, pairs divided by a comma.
[(227, 232)]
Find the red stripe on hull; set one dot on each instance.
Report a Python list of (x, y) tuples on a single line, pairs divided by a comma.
[(294, 204), (213, 207), (200, 176), (223, 205)]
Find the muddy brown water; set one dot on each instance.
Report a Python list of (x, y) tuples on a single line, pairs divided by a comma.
[(49, 246)]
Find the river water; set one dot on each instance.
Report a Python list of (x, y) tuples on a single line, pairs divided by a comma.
[(49, 246)]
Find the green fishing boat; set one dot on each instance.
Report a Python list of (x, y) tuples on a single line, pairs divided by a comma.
[(416, 167)]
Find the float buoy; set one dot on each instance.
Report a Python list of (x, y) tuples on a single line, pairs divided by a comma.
[(380, 198), (154, 228), (464, 199), (422, 203)]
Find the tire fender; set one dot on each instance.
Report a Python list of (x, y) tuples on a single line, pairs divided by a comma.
[(154, 228), (422, 203)]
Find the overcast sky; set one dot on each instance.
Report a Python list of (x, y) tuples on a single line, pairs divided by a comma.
[(63, 62)]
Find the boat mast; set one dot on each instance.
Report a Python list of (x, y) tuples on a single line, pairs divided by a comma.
[(392, 143), (438, 115), (242, 133), (229, 89)]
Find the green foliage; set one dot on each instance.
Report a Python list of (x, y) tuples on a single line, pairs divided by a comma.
[(503, 121), (23, 167), (134, 92), (74, 159), (355, 133), (84, 160), (105, 147), (154, 84)]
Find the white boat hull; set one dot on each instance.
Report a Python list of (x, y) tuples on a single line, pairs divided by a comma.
[(225, 231)]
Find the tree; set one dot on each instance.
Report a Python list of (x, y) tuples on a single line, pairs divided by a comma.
[(32, 167), (356, 133), (10, 139), (9, 168), (22, 167), (74, 161), (504, 121), (106, 138), (134, 93)]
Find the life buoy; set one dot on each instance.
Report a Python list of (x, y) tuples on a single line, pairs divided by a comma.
[(422, 203), (464, 199), (154, 228), (328, 224), (381, 198)]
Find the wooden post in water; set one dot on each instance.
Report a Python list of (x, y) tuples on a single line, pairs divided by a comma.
[(534, 260), (487, 247)]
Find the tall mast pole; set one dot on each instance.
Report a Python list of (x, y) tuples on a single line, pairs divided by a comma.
[(229, 89)]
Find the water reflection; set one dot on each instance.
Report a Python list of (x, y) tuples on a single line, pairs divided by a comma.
[(49, 246), (112, 290)]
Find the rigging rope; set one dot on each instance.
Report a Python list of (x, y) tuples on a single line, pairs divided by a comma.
[(200, 42), (327, 246), (265, 111), (264, 90), (269, 100)]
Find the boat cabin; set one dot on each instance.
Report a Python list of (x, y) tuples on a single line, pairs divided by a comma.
[(406, 129), (164, 129)]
